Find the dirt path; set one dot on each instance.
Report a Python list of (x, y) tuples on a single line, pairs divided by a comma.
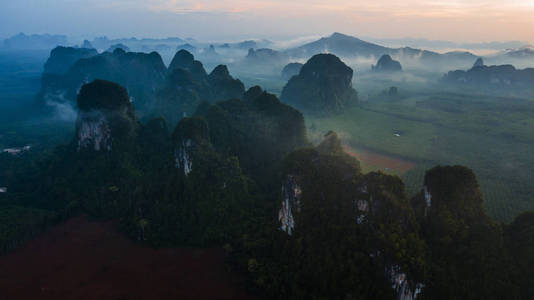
[(81, 259), (374, 161)]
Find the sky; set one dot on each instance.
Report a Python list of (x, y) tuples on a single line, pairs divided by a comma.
[(454, 20)]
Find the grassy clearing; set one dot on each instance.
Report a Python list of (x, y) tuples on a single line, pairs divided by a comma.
[(491, 135)]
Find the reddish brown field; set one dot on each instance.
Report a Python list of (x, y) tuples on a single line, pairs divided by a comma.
[(81, 259), (374, 160)]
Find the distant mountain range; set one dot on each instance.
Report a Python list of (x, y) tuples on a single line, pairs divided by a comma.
[(261, 52), (440, 44), (522, 52), (34, 41), (349, 46)]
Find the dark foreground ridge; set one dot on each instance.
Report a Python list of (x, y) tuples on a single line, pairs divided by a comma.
[(83, 259)]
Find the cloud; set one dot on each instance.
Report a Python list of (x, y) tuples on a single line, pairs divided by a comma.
[(442, 8), (461, 20)]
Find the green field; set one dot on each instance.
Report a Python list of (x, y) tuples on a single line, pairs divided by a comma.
[(491, 135)]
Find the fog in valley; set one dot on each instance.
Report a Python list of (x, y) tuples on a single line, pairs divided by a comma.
[(304, 150)]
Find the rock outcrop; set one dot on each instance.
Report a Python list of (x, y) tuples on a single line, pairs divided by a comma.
[(387, 64), (106, 117), (291, 194), (291, 70), (479, 62), (190, 135), (323, 86)]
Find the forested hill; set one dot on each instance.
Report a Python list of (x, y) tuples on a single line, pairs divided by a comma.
[(238, 172)]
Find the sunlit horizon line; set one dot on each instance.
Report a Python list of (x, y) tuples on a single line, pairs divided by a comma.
[(446, 20), (256, 6)]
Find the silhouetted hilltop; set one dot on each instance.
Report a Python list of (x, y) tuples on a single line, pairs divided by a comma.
[(479, 62), (338, 44), (323, 86), (252, 93), (223, 85), (460, 237), (291, 70), (183, 59), (259, 131), (141, 74), (62, 58), (187, 85), (114, 47), (86, 44), (187, 47), (387, 64), (492, 77)]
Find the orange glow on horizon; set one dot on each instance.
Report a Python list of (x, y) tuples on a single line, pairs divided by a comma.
[(480, 19)]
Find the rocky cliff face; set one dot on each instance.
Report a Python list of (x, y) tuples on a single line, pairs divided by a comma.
[(93, 132), (325, 200), (387, 64), (182, 156), (323, 86), (105, 118), (401, 285), (190, 135), (291, 194)]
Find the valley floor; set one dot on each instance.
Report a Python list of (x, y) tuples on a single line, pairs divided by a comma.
[(84, 259)]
